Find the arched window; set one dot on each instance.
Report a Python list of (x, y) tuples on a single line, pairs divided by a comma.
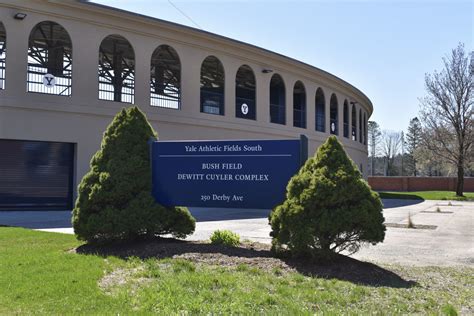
[(3, 54), (320, 111), (346, 119), (49, 59), (361, 136), (116, 70), (333, 115), (277, 100), (365, 129), (245, 106), (299, 105), (354, 122), (165, 78), (212, 86)]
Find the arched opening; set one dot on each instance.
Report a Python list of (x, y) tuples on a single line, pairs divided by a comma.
[(116, 70), (361, 136), (49, 60), (212, 86), (333, 115), (354, 123), (3, 54), (320, 111), (277, 100), (365, 129), (299, 105), (245, 105), (346, 119), (165, 78)]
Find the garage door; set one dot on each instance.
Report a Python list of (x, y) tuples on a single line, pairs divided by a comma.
[(36, 175)]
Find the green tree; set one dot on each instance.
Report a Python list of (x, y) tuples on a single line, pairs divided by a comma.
[(413, 141), (328, 207), (114, 198)]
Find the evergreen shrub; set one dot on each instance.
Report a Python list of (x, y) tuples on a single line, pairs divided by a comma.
[(225, 237), (329, 207), (114, 198)]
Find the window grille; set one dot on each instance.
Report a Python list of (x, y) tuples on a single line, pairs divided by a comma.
[(245, 105), (299, 105), (354, 123), (346, 119), (116, 70), (333, 115), (49, 60), (320, 111), (3, 55), (365, 129), (212, 86), (277, 100), (165, 79)]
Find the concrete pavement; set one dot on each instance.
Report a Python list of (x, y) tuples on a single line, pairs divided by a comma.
[(449, 242)]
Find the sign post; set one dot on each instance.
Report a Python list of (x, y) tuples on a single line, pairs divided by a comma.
[(225, 174)]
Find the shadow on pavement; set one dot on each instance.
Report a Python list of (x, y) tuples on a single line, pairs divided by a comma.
[(253, 255), (62, 219), (36, 219), (222, 214), (391, 203)]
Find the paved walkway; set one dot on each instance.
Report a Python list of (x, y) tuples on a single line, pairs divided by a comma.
[(449, 241)]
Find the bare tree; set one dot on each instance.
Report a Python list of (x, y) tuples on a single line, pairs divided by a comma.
[(447, 111), (374, 134), (391, 144)]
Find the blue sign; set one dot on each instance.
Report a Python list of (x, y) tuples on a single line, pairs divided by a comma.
[(225, 174)]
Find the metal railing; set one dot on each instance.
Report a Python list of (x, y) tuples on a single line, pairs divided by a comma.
[(2, 71), (299, 118), (346, 130), (123, 93), (212, 102), (320, 122), (169, 98), (38, 82), (277, 113)]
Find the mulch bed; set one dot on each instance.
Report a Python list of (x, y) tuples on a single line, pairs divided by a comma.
[(254, 255)]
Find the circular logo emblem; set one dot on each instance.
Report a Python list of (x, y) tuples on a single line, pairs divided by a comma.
[(49, 80), (244, 108)]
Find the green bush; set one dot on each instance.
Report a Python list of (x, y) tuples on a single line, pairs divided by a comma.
[(225, 237), (114, 198), (328, 207)]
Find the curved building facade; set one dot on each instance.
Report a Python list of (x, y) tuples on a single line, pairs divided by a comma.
[(67, 67)]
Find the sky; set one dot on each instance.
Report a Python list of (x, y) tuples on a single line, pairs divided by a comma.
[(384, 48)]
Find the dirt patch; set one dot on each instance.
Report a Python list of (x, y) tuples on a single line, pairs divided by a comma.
[(117, 277), (416, 226), (440, 212), (252, 254)]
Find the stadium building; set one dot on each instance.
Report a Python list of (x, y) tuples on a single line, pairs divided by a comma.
[(67, 67)]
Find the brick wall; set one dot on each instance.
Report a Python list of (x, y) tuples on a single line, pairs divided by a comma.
[(419, 184)]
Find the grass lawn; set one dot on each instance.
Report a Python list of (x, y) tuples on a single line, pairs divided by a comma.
[(40, 274), (427, 195)]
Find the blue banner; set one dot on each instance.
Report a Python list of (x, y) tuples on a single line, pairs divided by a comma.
[(224, 174)]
